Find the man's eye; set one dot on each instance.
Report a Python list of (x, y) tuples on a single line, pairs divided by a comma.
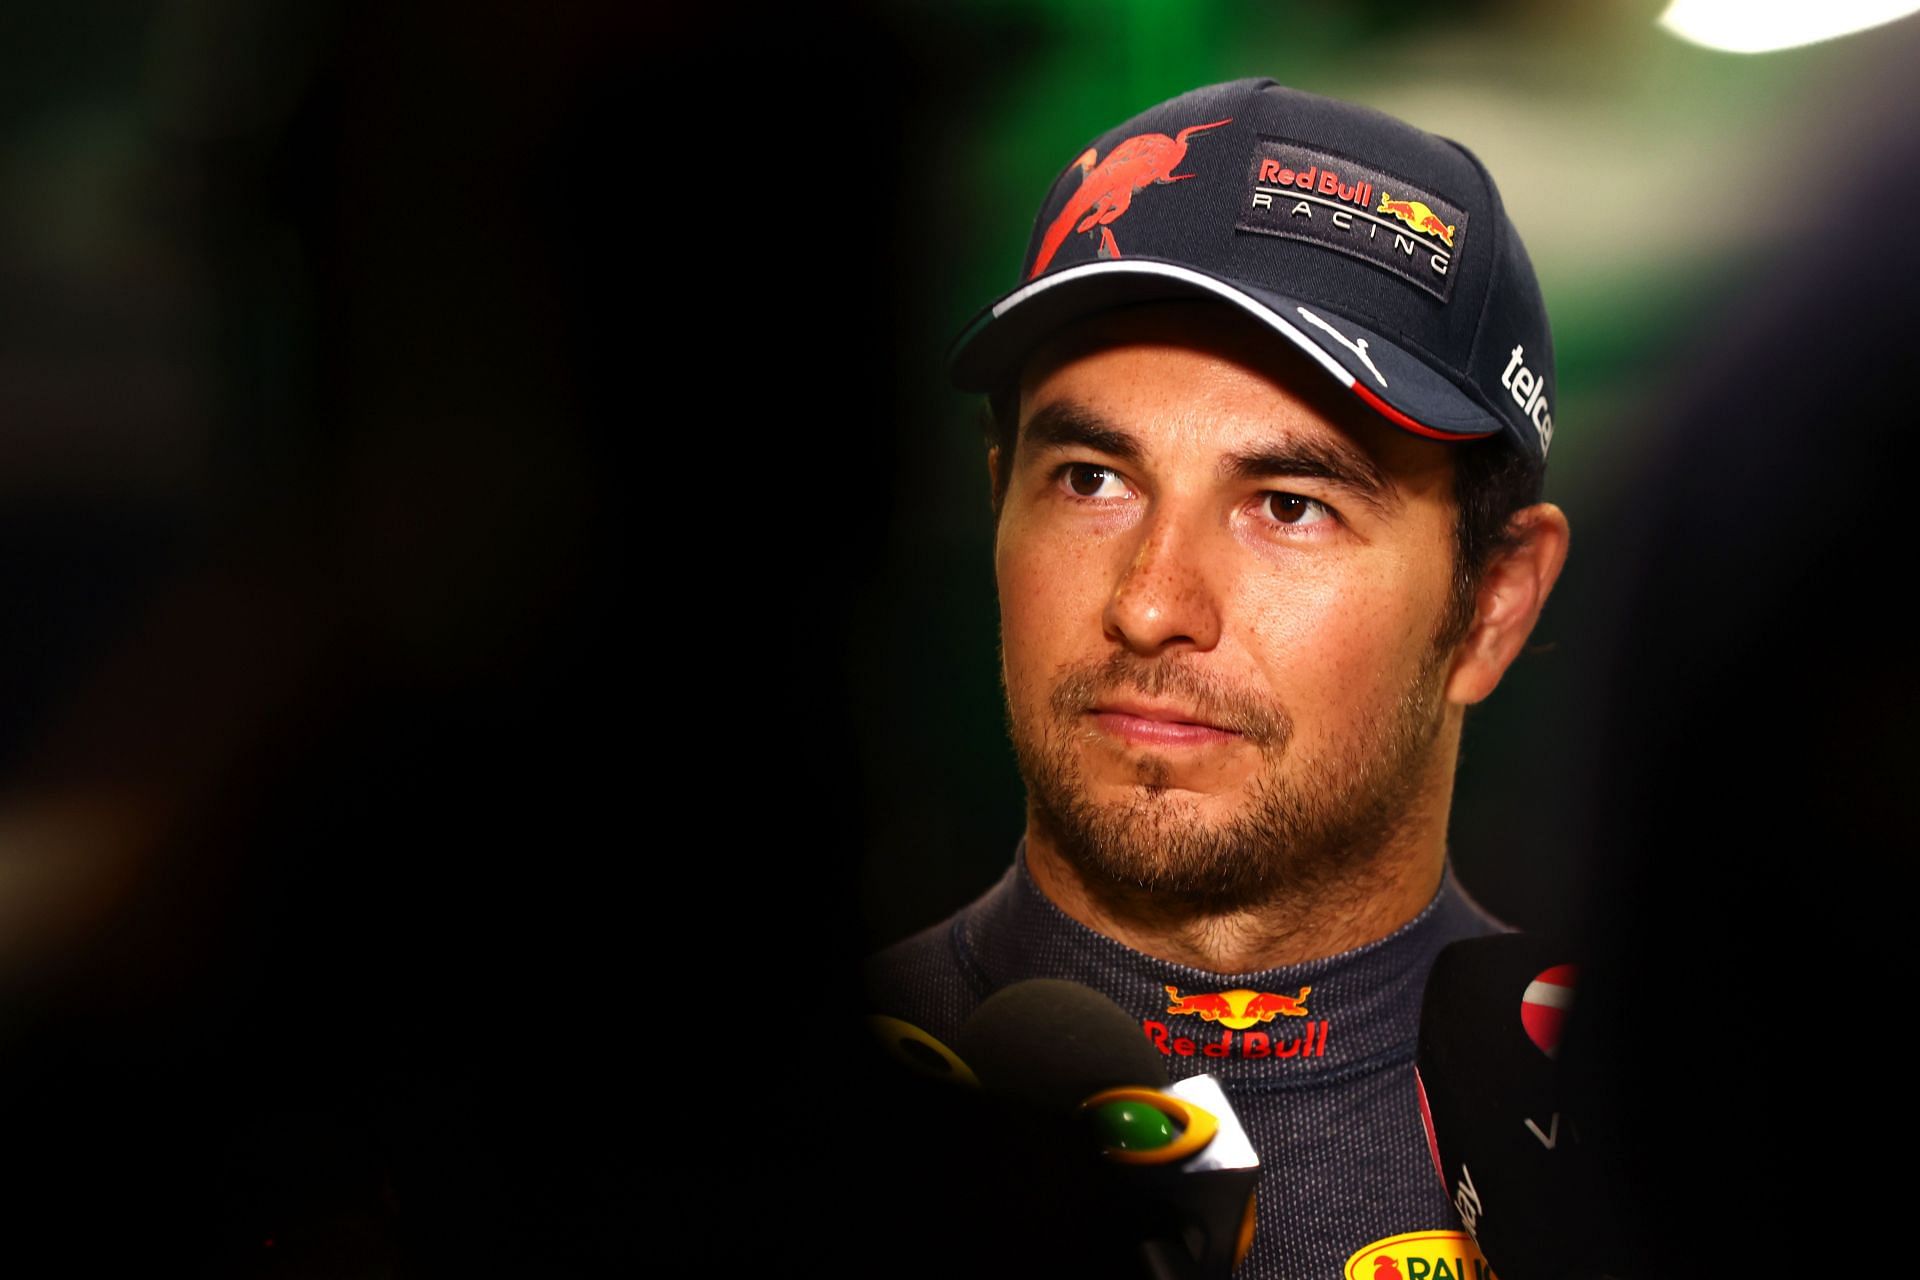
[(1291, 508), (1089, 481)]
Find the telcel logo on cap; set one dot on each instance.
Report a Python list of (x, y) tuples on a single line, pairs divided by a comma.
[(1529, 391)]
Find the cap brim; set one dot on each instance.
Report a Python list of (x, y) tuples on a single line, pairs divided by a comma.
[(1398, 384)]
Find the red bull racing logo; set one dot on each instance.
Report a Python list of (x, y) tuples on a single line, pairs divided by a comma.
[(1239, 1010), (1335, 202)]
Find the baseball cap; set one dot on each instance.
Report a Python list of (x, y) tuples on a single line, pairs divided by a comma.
[(1380, 250)]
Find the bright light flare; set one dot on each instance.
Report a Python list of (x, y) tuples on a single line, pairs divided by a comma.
[(1761, 26)]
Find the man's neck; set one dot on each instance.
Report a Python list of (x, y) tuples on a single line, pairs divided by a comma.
[(1391, 888)]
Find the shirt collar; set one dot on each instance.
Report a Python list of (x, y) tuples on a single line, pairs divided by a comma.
[(1278, 1027)]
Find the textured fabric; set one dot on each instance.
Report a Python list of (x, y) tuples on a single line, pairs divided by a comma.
[(1326, 1090)]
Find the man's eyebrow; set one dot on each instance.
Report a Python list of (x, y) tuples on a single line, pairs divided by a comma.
[(1064, 424), (1336, 464)]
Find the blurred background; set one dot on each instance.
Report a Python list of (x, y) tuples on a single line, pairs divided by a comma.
[(314, 470), (498, 610)]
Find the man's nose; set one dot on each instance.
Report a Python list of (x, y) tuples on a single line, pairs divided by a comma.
[(1164, 597)]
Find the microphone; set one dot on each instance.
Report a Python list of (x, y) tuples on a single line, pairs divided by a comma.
[(1507, 1147), (1181, 1167)]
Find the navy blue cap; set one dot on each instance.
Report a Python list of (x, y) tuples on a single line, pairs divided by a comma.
[(1380, 250)]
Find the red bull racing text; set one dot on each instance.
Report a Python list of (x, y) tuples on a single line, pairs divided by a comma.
[(1238, 1044), (1303, 193)]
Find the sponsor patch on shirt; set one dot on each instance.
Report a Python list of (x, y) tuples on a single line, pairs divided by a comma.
[(1420, 1255), (1304, 193)]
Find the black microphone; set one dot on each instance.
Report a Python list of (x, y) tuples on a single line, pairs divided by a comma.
[(1508, 1148), (1181, 1168)]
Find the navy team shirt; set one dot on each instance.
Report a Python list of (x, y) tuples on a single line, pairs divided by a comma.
[(1317, 1059)]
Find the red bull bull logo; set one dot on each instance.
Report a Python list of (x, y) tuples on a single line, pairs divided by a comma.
[(1417, 216), (1239, 1008)]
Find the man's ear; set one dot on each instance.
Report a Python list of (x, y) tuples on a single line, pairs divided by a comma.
[(993, 478), (1512, 593)]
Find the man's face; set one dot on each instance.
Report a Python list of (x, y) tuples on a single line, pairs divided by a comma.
[(1220, 591)]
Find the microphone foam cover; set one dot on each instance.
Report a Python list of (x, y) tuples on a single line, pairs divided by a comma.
[(1055, 1043)]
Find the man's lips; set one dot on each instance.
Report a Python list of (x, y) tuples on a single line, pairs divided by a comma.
[(1170, 726)]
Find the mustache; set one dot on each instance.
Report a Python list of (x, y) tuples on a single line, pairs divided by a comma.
[(1082, 688)]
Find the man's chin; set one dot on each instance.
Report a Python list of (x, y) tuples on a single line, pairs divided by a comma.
[(1219, 787), (1167, 842), (1123, 793)]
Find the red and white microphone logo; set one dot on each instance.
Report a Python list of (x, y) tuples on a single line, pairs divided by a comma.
[(1544, 1006)]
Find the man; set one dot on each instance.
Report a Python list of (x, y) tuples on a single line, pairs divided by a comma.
[(1272, 407)]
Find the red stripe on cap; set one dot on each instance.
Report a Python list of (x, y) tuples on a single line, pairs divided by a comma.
[(1393, 415)]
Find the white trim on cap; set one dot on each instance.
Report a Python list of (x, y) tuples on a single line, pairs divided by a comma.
[(1252, 306)]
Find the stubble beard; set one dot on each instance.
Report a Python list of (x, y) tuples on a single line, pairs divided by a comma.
[(1304, 830)]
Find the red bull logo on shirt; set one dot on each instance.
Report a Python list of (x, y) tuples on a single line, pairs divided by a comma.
[(1239, 1008), (1238, 1011)]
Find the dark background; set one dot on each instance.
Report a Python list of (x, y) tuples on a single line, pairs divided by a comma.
[(499, 608), (327, 863)]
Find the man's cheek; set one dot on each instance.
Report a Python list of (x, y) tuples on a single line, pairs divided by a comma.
[(1034, 632), (1034, 597), (1019, 671)]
